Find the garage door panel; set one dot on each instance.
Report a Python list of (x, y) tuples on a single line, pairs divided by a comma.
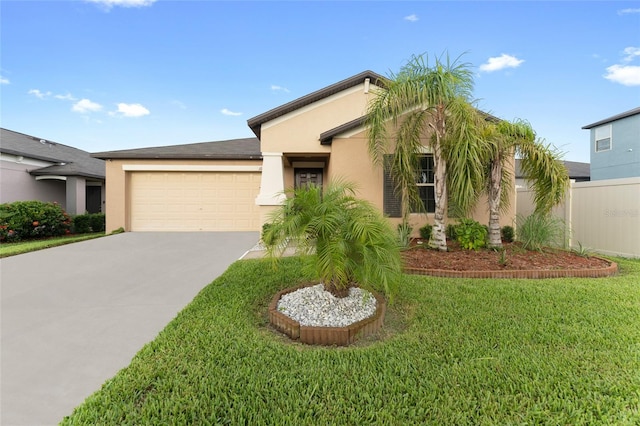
[(207, 201)]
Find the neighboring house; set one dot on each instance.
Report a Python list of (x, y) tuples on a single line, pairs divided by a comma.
[(32, 168), (234, 185), (615, 146), (578, 172)]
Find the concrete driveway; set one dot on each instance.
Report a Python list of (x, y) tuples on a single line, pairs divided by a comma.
[(73, 316)]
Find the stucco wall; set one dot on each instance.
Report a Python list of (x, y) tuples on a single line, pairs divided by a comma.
[(16, 184)]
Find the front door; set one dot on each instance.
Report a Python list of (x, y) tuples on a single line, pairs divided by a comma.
[(306, 177)]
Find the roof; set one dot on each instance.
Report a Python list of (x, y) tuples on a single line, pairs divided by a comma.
[(620, 116), (575, 169), (256, 122), (235, 149), (68, 161)]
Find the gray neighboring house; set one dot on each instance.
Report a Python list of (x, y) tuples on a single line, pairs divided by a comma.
[(32, 168), (615, 146), (579, 172)]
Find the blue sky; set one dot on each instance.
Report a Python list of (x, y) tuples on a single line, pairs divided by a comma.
[(119, 74)]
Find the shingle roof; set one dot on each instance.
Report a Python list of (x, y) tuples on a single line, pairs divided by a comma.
[(613, 118), (256, 122), (235, 149), (576, 169), (70, 161)]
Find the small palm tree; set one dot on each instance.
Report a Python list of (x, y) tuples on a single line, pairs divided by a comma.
[(349, 242), (540, 165), (423, 100)]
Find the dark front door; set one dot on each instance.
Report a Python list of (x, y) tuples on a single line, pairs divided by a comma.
[(306, 177), (93, 199)]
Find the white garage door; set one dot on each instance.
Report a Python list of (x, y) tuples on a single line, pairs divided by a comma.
[(193, 201)]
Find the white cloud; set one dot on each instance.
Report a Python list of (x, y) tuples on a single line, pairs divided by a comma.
[(131, 110), (38, 94), (411, 18), (4, 80), (627, 75), (228, 112), (276, 88), (628, 11), (108, 4), (631, 53), (67, 97), (179, 104), (501, 62), (85, 105)]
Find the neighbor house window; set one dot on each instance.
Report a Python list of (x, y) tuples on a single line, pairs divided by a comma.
[(603, 138), (425, 183)]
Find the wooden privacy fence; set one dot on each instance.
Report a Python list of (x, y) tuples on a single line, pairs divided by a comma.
[(602, 215)]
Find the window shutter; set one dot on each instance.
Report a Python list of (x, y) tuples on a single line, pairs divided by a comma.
[(392, 202)]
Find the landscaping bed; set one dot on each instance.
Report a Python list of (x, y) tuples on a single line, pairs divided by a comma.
[(514, 258)]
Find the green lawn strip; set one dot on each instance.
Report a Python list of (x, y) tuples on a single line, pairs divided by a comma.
[(12, 249), (557, 351)]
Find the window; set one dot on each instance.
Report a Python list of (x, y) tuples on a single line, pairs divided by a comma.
[(392, 204), (603, 138), (426, 187)]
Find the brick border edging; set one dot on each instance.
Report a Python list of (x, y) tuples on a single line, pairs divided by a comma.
[(327, 336), (608, 271)]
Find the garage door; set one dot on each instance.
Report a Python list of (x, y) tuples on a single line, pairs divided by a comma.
[(191, 201)]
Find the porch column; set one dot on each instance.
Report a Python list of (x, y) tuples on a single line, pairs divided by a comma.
[(271, 186), (76, 195), (272, 183)]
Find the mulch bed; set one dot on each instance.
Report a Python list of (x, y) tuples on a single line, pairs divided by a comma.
[(515, 258)]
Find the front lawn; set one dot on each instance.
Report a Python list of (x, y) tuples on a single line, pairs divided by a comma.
[(455, 351), (12, 249)]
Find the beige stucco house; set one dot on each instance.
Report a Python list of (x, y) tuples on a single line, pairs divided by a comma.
[(233, 185)]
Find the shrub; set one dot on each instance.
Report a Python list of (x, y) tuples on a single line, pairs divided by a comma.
[(404, 234), (350, 241), (98, 222), (85, 223), (425, 232), (32, 219), (471, 235), (539, 230), (507, 233), (265, 236)]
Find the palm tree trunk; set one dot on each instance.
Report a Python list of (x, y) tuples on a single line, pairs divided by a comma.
[(495, 188), (439, 238)]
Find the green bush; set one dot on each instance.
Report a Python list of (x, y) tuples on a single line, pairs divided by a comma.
[(23, 220), (425, 232), (507, 233), (471, 235), (539, 230), (404, 234), (98, 222), (90, 222)]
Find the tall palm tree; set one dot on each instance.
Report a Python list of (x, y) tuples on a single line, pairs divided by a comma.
[(423, 100), (540, 165)]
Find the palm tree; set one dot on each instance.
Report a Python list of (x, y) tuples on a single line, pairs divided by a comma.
[(348, 240), (425, 100), (540, 165)]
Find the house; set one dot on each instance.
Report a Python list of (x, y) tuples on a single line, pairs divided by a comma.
[(578, 172), (235, 184), (33, 168), (615, 146)]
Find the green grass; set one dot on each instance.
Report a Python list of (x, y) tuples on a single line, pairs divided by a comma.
[(12, 249), (455, 351)]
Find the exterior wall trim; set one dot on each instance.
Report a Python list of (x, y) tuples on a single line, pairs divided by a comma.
[(188, 168), (51, 177)]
